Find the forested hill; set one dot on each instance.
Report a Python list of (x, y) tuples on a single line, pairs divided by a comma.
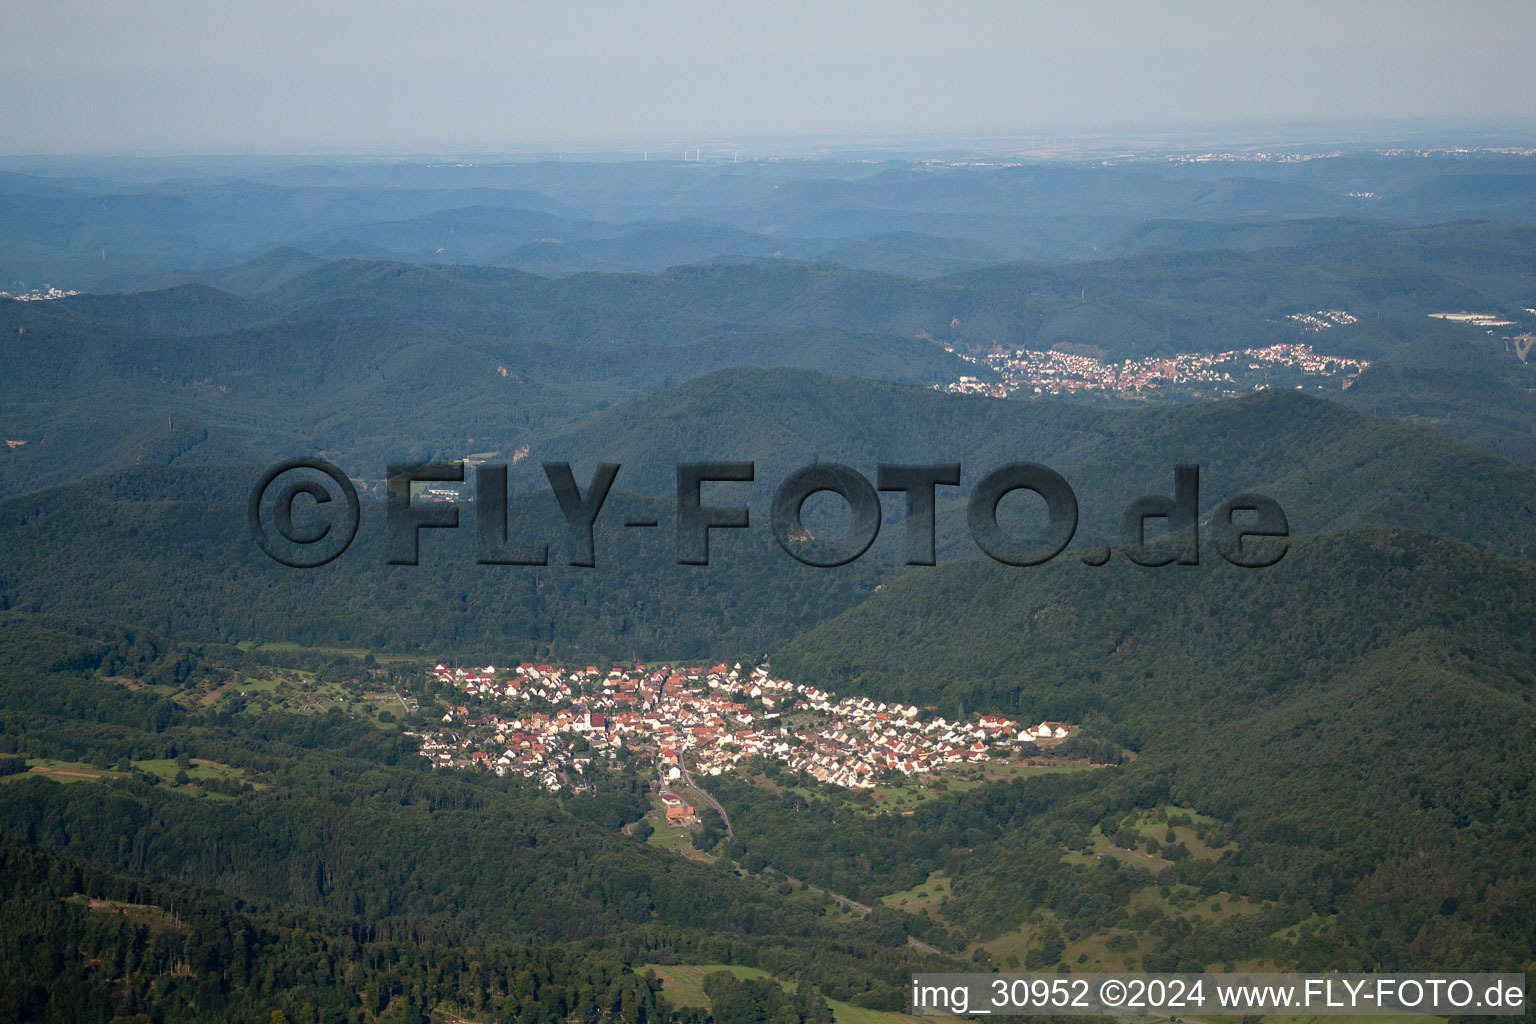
[(369, 359), (1472, 391), (1328, 466), (100, 223), (1164, 651), (82, 943), (1150, 304), (106, 546), (111, 547), (1362, 715), (185, 376)]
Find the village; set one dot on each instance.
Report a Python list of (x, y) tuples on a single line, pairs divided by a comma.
[(1214, 373), (557, 725)]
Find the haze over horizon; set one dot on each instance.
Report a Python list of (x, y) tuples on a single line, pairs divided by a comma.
[(168, 77)]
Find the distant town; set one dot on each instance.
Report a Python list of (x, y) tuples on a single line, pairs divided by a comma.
[(1475, 319), (39, 295), (1201, 374), (555, 724), (1294, 157)]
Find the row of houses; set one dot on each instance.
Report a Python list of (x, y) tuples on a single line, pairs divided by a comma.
[(1053, 372), (552, 723)]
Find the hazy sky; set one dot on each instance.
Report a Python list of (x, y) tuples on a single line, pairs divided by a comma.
[(261, 76)]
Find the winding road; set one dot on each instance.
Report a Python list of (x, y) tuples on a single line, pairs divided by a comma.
[(688, 781)]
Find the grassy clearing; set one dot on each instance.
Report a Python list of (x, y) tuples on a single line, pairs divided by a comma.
[(346, 652), (1120, 949), (1184, 823), (676, 839), (1151, 825), (684, 986), (1010, 947), (925, 896), (1100, 846), (999, 770), (1115, 950), (64, 771), (1309, 926), (922, 789), (671, 837), (1186, 901), (154, 918), (847, 1013), (910, 793), (299, 692), (684, 983), (200, 770)]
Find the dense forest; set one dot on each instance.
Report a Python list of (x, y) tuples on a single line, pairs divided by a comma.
[(105, 547), (1359, 719)]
